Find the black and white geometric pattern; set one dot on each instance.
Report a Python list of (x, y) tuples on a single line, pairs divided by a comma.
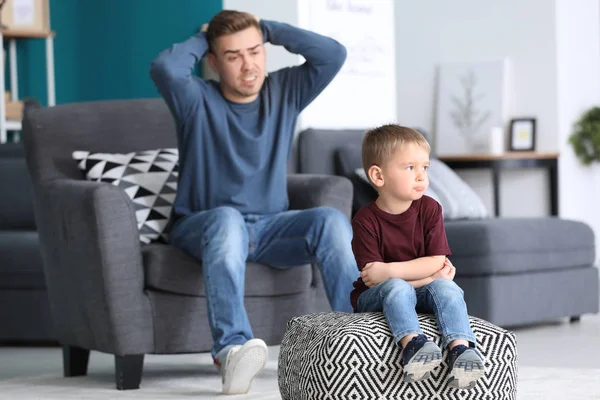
[(353, 357), (148, 177)]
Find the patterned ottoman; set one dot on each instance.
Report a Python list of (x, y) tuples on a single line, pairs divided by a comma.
[(329, 356)]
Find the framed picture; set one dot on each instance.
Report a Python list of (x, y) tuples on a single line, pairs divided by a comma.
[(522, 134)]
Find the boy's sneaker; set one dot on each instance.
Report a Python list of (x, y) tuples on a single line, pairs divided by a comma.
[(466, 367), (419, 358), (241, 365)]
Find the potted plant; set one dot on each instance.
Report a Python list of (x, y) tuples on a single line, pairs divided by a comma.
[(586, 138)]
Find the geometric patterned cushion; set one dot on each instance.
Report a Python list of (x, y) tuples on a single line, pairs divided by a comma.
[(148, 177), (353, 356)]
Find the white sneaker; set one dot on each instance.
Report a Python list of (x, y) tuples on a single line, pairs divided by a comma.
[(242, 363)]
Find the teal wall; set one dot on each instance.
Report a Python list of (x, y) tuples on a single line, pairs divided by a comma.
[(103, 48)]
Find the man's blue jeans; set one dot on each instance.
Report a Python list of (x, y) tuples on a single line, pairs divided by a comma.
[(400, 303), (224, 239)]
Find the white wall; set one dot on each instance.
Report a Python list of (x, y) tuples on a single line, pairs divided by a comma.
[(429, 32), (578, 61)]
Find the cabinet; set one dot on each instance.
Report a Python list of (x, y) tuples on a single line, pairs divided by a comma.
[(12, 38)]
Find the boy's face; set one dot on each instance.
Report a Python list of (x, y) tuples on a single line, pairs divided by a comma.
[(404, 176), (239, 59)]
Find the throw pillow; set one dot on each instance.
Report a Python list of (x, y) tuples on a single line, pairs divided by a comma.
[(458, 199), (148, 177)]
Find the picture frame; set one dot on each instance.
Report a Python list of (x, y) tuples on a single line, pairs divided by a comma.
[(522, 134)]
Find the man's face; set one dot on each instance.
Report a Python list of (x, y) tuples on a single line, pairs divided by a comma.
[(239, 60)]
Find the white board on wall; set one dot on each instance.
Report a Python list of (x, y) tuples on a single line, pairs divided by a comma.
[(363, 94)]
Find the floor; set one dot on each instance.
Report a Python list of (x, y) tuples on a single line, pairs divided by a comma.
[(561, 344)]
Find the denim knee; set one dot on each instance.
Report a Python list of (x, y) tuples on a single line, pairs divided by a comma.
[(225, 234), (332, 224), (331, 218), (445, 288), (226, 218), (397, 288)]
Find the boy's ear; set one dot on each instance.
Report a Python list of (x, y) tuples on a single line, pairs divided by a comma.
[(376, 176)]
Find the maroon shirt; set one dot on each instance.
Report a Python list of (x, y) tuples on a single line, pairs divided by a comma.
[(380, 236)]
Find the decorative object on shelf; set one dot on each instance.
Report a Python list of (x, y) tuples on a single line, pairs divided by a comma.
[(472, 99), (586, 138), (522, 134), (497, 140), (25, 15)]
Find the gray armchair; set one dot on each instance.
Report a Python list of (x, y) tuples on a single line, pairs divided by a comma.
[(110, 293)]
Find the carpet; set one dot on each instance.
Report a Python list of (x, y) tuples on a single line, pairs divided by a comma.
[(197, 379)]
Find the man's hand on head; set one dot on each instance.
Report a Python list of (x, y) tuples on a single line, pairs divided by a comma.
[(204, 28)]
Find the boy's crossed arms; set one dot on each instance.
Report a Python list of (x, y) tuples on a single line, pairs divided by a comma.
[(418, 272)]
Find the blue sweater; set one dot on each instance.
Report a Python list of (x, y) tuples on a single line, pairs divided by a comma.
[(233, 154)]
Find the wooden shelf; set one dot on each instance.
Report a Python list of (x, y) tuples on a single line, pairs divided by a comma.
[(504, 156), (14, 34)]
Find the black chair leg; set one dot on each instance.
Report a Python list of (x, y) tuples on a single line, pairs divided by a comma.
[(75, 361), (576, 318), (128, 371)]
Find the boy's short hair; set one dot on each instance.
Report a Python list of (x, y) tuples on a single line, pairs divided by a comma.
[(379, 144), (227, 22)]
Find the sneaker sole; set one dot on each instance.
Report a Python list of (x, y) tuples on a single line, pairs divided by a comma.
[(466, 371), (424, 361), (247, 362)]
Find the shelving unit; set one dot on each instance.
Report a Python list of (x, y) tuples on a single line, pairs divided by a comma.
[(12, 37)]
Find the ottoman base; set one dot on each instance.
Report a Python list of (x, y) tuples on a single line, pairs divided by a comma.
[(353, 356)]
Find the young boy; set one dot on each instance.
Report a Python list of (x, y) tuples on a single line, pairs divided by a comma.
[(400, 246)]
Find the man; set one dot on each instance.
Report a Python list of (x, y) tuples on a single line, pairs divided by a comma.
[(235, 139)]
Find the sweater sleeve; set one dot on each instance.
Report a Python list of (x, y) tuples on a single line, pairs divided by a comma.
[(172, 73), (324, 58)]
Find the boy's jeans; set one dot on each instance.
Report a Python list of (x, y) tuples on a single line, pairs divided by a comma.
[(224, 239), (400, 303)]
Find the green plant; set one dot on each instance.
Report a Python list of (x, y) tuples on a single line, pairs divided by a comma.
[(586, 138)]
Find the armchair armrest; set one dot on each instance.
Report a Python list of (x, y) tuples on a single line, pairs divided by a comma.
[(310, 190), (93, 266)]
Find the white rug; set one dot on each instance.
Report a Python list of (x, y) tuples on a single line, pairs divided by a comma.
[(197, 379)]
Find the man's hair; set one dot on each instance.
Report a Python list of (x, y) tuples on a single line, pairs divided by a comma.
[(227, 22), (379, 144)]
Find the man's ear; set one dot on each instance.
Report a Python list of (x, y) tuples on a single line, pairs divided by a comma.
[(376, 176), (212, 62)]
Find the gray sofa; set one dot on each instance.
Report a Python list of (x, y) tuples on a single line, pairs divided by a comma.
[(110, 293), (514, 271), (24, 309)]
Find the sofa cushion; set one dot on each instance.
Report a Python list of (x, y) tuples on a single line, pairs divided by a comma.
[(21, 261), (148, 177), (518, 245), (16, 204), (173, 270)]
